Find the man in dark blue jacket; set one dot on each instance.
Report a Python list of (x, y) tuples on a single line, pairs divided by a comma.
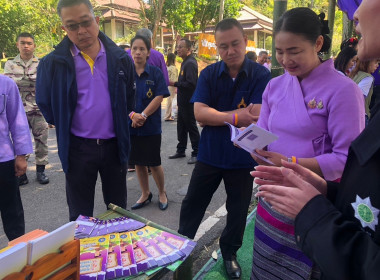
[(85, 88)]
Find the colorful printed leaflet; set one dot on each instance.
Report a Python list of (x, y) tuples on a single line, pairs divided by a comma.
[(185, 245), (127, 256), (171, 252), (85, 226), (146, 238), (144, 259), (90, 226), (93, 258), (114, 266)]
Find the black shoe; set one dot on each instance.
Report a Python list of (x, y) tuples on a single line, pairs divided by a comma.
[(163, 206), (232, 268), (22, 180), (192, 160), (177, 155), (42, 178), (139, 205)]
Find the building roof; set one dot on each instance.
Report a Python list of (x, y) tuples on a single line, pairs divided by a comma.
[(123, 15), (132, 4), (250, 20), (248, 14)]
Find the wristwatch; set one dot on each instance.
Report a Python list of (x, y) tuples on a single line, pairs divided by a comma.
[(144, 115)]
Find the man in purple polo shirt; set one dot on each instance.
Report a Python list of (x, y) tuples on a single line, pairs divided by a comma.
[(85, 88), (15, 143)]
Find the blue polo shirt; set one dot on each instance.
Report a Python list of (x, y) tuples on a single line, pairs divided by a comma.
[(218, 90), (149, 84)]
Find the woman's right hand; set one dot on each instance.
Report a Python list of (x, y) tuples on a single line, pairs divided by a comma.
[(272, 175), (138, 120)]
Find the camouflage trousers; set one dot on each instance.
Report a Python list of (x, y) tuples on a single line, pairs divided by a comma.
[(40, 133)]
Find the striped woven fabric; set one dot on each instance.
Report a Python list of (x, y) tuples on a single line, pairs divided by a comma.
[(275, 253)]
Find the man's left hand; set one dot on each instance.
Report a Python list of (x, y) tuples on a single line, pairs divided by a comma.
[(20, 165)]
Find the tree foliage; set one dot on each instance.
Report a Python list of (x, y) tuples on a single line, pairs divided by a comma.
[(207, 12), (178, 17), (265, 7), (179, 14), (37, 17)]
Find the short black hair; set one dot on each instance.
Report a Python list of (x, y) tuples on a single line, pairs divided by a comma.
[(263, 52), (68, 3), (187, 43), (304, 22), (227, 24), (25, 35), (144, 39), (170, 60), (251, 55)]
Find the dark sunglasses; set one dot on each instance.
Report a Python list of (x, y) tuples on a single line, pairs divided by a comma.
[(75, 26)]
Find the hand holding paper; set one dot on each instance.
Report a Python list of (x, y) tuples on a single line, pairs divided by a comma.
[(273, 157), (252, 138)]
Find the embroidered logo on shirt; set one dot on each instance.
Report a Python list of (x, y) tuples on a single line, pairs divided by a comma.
[(241, 104), (149, 82), (365, 212), (149, 94), (121, 73), (312, 103)]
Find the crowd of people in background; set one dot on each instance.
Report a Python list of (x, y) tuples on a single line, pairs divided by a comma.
[(318, 202)]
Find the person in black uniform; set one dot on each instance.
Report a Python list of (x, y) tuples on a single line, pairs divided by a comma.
[(187, 81)]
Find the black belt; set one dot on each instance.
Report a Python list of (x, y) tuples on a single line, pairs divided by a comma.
[(97, 141)]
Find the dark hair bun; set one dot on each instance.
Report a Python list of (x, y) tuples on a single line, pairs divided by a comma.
[(326, 43), (325, 24), (324, 31)]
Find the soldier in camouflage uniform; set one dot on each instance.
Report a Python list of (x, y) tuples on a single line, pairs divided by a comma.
[(23, 70)]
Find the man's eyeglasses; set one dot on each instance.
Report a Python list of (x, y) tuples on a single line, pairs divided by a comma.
[(75, 26)]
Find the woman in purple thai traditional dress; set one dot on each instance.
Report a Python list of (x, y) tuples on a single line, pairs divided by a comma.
[(316, 113)]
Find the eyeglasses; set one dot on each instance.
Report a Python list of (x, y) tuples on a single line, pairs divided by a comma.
[(75, 26)]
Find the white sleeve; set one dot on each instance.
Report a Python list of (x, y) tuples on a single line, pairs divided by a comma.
[(365, 85)]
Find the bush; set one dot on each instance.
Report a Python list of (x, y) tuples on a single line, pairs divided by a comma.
[(208, 57), (179, 59)]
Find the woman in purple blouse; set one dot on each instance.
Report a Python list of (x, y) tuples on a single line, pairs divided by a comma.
[(316, 113)]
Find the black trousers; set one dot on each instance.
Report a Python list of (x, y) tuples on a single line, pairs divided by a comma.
[(186, 124), (86, 159), (12, 212), (204, 182)]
